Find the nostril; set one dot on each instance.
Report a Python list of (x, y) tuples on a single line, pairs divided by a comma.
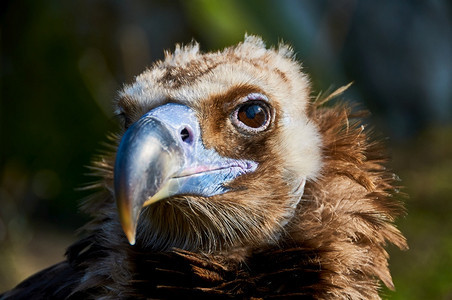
[(185, 135)]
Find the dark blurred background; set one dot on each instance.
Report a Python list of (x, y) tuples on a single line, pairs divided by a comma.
[(62, 63)]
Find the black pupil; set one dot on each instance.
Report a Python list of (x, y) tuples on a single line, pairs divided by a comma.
[(252, 115)]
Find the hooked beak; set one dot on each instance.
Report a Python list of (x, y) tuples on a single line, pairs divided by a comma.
[(162, 155)]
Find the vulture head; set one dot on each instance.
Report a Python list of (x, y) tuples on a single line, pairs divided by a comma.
[(229, 180), (217, 149)]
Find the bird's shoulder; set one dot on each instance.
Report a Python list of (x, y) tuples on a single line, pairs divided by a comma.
[(55, 282)]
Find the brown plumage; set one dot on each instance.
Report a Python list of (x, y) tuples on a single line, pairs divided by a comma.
[(264, 237)]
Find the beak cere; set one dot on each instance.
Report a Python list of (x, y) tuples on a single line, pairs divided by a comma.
[(162, 155)]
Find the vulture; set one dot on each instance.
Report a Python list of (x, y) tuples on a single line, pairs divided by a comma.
[(230, 180)]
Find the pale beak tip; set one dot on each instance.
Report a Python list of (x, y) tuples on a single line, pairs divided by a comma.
[(128, 222), (130, 234), (131, 240)]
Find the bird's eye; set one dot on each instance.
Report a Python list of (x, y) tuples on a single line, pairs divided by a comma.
[(252, 116), (124, 119)]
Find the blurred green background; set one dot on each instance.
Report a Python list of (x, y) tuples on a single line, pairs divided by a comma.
[(62, 63)]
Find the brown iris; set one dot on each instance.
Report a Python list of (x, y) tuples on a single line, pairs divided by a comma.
[(253, 115)]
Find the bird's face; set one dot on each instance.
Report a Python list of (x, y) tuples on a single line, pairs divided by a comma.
[(216, 150)]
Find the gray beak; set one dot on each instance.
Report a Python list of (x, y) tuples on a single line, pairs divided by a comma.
[(162, 155)]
